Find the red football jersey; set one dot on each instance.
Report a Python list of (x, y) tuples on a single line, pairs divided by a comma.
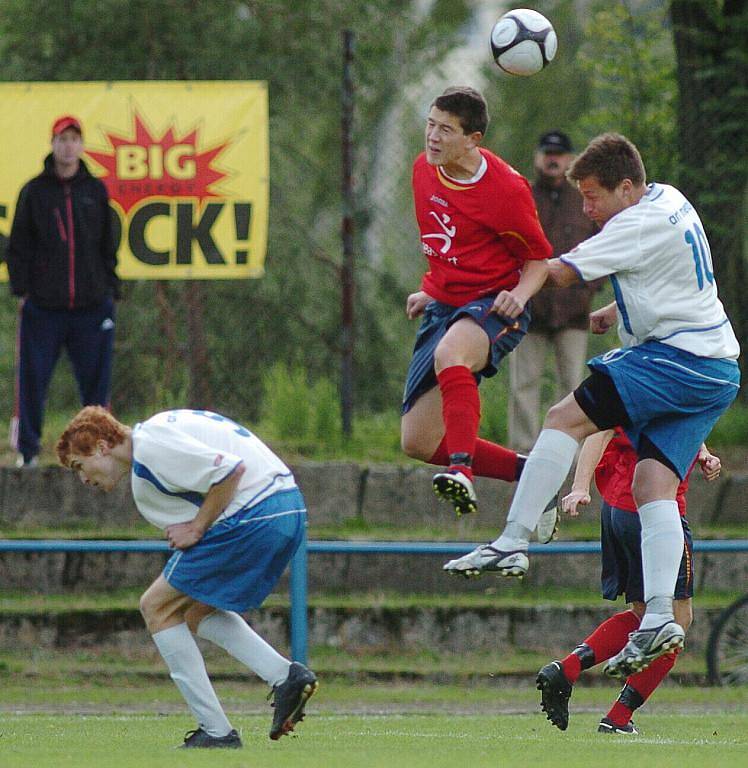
[(476, 234), (615, 474)]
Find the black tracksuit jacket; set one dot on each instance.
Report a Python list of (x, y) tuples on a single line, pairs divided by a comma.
[(61, 251)]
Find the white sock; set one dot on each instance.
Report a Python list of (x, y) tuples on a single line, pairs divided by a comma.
[(229, 631), (662, 551), (547, 466), (187, 668)]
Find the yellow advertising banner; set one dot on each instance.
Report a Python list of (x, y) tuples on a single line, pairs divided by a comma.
[(186, 165)]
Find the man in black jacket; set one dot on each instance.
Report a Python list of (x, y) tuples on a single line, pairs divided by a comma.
[(62, 264)]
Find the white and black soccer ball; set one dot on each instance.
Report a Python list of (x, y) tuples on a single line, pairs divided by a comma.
[(523, 42)]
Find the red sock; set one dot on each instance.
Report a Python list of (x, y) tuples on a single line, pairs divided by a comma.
[(461, 414), (489, 460), (572, 667), (639, 688), (648, 679), (493, 460), (620, 714), (604, 642), (612, 635)]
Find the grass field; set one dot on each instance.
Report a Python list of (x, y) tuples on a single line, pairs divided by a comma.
[(57, 724)]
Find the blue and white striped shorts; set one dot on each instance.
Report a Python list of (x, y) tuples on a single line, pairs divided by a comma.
[(239, 560), (671, 396), (503, 334)]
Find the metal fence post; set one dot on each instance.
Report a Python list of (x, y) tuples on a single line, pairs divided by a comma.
[(298, 597)]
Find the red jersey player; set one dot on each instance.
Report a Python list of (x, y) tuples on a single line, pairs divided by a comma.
[(486, 253), (612, 459)]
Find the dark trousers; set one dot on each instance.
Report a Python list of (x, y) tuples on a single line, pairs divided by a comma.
[(88, 337)]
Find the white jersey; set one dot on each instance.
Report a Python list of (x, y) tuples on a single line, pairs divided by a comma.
[(658, 259), (178, 456)]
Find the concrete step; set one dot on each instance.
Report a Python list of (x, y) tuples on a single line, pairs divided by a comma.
[(547, 629), (335, 492), (342, 573)]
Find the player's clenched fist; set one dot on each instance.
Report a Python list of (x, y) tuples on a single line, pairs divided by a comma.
[(508, 304), (416, 303), (602, 320)]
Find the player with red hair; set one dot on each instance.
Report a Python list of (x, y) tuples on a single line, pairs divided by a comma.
[(234, 516)]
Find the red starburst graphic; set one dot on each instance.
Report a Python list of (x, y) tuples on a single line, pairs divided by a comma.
[(142, 165)]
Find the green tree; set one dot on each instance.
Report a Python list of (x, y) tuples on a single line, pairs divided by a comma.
[(292, 314), (711, 40), (629, 59)]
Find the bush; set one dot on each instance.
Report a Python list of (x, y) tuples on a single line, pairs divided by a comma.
[(286, 404), (732, 428), (300, 413)]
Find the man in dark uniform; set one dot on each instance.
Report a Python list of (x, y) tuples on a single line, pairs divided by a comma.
[(62, 264)]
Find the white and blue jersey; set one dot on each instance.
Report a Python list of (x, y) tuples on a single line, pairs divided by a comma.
[(677, 371), (178, 456), (658, 259)]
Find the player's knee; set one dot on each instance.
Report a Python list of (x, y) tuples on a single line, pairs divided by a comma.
[(412, 446), (154, 611), (147, 609), (557, 417), (444, 356)]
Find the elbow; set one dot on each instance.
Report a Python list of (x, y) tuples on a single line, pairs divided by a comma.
[(560, 274)]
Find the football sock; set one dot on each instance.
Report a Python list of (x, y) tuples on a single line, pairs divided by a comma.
[(603, 643), (186, 666), (662, 550), (489, 460), (639, 688), (582, 657), (571, 666), (546, 468), (229, 631), (461, 414)]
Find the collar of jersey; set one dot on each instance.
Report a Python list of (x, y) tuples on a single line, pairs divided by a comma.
[(462, 184)]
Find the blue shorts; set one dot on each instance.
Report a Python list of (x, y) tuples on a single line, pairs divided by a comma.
[(671, 396), (503, 333), (239, 560), (622, 573)]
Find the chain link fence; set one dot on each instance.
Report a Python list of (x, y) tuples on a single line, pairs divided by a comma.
[(211, 344)]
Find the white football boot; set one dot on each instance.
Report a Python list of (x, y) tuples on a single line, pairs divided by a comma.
[(487, 559), (643, 647)]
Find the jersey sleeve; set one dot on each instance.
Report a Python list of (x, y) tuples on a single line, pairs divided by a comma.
[(518, 224), (616, 248), (182, 462)]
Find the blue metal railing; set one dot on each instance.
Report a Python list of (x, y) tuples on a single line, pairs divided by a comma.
[(298, 579)]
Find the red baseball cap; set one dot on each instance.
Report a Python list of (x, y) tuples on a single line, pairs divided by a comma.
[(65, 122)]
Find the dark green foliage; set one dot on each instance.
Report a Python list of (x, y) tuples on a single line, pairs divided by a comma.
[(293, 312), (524, 108), (711, 39), (615, 69)]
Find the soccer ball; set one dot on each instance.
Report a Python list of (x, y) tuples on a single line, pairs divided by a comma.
[(523, 42)]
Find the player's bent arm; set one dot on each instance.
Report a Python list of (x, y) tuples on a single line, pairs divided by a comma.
[(561, 274), (534, 274), (511, 303), (184, 535), (589, 458)]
